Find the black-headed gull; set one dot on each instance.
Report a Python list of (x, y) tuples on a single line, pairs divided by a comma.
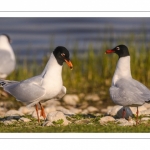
[(7, 57), (126, 91), (43, 87)]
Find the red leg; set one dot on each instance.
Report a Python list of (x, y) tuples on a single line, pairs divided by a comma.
[(123, 113), (42, 111), (137, 113), (36, 108)]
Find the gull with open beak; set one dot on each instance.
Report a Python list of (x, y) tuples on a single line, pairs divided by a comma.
[(42, 87)]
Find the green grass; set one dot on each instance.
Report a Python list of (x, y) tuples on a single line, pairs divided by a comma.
[(92, 127)]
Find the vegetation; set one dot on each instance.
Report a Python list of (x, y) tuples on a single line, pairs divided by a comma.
[(92, 73), (93, 126), (93, 69)]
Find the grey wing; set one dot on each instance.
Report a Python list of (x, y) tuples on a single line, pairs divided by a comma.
[(7, 64), (26, 91), (144, 90), (129, 92), (38, 80)]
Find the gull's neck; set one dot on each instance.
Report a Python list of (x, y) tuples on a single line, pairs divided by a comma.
[(4, 45), (122, 69), (52, 69)]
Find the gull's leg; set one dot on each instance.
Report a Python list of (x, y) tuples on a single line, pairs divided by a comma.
[(36, 108), (137, 113), (42, 111), (123, 113)]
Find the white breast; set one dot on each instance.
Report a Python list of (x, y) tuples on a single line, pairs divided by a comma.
[(122, 69), (4, 45), (52, 78)]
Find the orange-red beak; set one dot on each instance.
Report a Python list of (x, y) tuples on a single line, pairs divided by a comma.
[(69, 63), (109, 51)]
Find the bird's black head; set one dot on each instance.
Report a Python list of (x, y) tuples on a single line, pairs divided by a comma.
[(7, 36), (120, 50), (62, 55)]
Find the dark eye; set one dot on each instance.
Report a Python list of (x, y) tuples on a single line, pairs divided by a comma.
[(62, 54), (118, 48)]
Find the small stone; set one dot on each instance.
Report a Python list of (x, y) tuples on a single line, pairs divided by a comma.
[(51, 102), (8, 122), (109, 107), (121, 120), (99, 102), (7, 104), (85, 111), (145, 119), (2, 114), (74, 110), (145, 112), (127, 124), (71, 99), (83, 121), (24, 119), (106, 119), (84, 105), (50, 109), (104, 110), (124, 122), (3, 109), (92, 97), (113, 111), (48, 123), (64, 110), (92, 109), (147, 105), (26, 110), (98, 114), (1, 104), (57, 115), (13, 120), (13, 113), (81, 95), (132, 121)]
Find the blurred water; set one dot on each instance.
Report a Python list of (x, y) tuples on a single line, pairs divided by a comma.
[(35, 36)]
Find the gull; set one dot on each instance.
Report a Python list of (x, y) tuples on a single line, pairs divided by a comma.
[(7, 57), (125, 90), (43, 87)]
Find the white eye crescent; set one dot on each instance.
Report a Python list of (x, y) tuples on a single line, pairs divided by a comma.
[(62, 54), (118, 48)]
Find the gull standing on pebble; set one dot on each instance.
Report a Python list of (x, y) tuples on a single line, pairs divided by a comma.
[(126, 91), (43, 87)]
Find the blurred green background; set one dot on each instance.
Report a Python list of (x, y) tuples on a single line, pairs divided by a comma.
[(87, 39)]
